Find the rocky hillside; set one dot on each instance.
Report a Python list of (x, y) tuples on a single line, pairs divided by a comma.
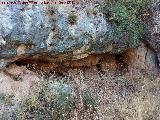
[(80, 60)]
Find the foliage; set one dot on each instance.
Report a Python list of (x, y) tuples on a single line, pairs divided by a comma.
[(88, 100), (72, 18), (46, 105), (7, 99), (125, 16), (53, 101)]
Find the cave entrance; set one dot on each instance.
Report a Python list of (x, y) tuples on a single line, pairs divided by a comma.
[(122, 62)]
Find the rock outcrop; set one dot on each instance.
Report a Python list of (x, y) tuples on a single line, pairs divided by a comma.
[(31, 30), (64, 32), (59, 57), (154, 27)]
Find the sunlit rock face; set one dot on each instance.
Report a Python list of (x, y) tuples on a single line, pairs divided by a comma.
[(66, 31), (53, 29), (22, 24)]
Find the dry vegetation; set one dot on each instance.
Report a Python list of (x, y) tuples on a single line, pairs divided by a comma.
[(87, 95), (94, 88)]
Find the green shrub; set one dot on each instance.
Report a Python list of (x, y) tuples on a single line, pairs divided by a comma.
[(6, 99), (72, 18), (47, 104), (54, 101), (125, 17), (88, 100)]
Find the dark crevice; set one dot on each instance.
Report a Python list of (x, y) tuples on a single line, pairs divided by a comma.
[(122, 65), (49, 67), (144, 40), (157, 61), (29, 63), (19, 63), (99, 69)]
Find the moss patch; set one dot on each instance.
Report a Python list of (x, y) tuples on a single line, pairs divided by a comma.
[(126, 19), (72, 18)]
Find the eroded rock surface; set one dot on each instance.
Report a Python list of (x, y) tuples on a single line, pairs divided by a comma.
[(67, 32), (76, 29), (154, 29), (79, 29), (67, 39)]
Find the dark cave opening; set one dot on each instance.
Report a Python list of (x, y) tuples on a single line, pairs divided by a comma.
[(122, 63), (48, 66)]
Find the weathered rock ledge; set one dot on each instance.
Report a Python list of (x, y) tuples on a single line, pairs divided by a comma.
[(68, 36)]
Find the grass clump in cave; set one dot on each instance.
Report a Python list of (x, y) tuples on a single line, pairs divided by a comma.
[(126, 19)]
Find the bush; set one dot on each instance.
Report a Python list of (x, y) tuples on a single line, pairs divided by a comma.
[(88, 100), (47, 104), (54, 100), (72, 18), (125, 17)]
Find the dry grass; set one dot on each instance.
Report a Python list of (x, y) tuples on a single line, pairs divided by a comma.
[(109, 96), (120, 97)]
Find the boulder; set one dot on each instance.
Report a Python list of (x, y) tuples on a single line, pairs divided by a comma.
[(73, 29), (64, 32), (154, 27)]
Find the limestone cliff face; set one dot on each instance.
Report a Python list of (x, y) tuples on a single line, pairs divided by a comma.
[(52, 50), (55, 29), (78, 29), (67, 32)]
